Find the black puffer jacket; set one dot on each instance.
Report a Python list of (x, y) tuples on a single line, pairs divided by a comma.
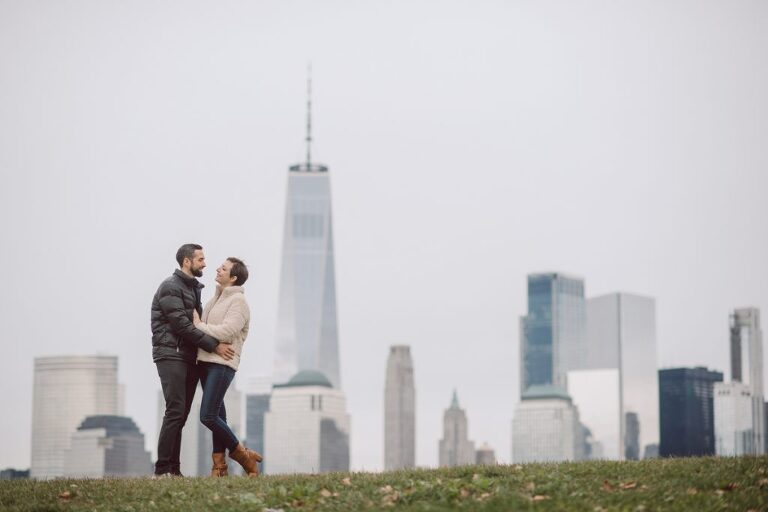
[(174, 336)]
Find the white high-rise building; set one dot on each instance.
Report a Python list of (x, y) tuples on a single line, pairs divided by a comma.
[(67, 389), (306, 429), (621, 337), (196, 440), (747, 368), (546, 427), (307, 337), (734, 423), (107, 446), (399, 410), (455, 447)]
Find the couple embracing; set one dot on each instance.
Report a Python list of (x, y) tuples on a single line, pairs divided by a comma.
[(190, 345)]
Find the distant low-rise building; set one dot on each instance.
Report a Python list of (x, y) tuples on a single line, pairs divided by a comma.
[(110, 446), (546, 427), (306, 429), (485, 455), (14, 474)]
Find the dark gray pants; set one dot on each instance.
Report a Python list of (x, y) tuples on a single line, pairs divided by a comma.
[(179, 381)]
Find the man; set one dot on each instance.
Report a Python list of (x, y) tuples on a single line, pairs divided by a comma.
[(175, 341)]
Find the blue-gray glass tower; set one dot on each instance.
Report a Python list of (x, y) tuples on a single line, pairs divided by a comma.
[(306, 330), (553, 331)]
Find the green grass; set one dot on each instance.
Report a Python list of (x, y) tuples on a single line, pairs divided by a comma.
[(700, 484)]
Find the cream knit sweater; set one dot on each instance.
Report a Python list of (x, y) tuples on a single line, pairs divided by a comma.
[(225, 317)]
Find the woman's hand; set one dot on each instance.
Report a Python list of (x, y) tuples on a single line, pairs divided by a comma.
[(195, 317)]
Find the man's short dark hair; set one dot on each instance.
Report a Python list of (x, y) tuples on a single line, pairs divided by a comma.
[(238, 270), (187, 251)]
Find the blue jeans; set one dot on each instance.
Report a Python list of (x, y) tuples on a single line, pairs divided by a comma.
[(215, 380)]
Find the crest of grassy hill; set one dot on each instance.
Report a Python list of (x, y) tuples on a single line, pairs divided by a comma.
[(699, 484)]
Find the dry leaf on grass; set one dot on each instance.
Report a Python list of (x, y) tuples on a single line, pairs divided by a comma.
[(628, 485), (692, 491), (325, 493), (65, 495), (607, 486), (347, 481), (539, 497)]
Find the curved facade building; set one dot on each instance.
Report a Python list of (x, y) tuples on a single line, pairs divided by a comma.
[(66, 390), (306, 429)]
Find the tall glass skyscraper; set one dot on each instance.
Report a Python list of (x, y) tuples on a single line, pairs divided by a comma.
[(553, 331), (307, 337), (621, 334)]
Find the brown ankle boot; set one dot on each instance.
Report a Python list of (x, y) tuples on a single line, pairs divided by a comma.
[(249, 459), (219, 465)]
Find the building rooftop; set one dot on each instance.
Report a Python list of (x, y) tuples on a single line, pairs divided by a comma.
[(306, 378), (113, 424), (539, 392)]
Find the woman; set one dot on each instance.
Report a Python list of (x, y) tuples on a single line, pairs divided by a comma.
[(225, 317)]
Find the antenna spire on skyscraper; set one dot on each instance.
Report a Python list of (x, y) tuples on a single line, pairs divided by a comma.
[(309, 116)]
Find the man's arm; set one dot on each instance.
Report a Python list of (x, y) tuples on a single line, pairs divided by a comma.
[(234, 320), (173, 308)]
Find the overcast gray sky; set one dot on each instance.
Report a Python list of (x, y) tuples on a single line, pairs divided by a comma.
[(469, 143)]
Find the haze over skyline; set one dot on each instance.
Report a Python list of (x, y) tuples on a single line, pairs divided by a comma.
[(625, 143)]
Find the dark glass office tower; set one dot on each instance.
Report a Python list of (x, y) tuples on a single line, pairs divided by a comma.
[(686, 411), (256, 405)]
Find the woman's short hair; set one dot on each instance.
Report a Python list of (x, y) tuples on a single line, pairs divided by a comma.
[(238, 270)]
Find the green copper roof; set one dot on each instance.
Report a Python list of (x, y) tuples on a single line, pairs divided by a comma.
[(306, 378), (545, 391), (455, 400)]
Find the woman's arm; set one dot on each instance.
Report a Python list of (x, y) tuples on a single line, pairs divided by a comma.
[(234, 320)]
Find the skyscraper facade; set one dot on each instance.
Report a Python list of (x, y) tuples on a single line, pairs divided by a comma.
[(747, 367), (66, 389), (107, 446), (306, 429), (734, 420), (686, 400), (621, 334), (553, 331), (399, 410), (307, 336), (455, 447)]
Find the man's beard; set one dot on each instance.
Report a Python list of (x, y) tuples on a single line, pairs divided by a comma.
[(197, 272)]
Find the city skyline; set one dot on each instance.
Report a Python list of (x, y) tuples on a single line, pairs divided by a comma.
[(597, 141)]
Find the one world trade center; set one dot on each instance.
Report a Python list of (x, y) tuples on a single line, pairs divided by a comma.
[(307, 337)]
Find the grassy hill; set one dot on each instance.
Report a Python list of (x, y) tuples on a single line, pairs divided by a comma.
[(700, 484)]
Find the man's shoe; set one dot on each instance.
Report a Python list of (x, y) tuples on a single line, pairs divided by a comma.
[(249, 459), (219, 468)]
